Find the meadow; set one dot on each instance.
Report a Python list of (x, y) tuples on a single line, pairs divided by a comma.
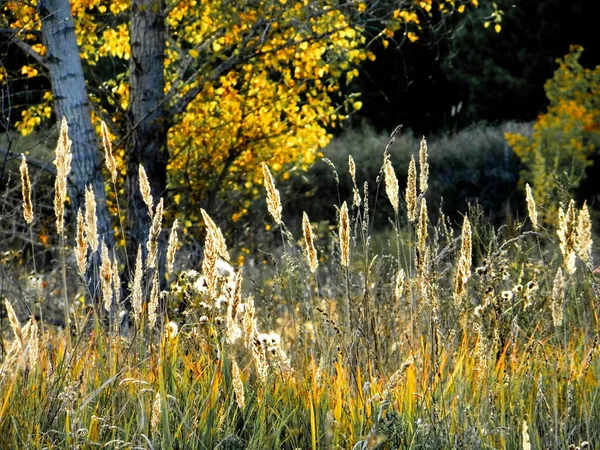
[(446, 334)]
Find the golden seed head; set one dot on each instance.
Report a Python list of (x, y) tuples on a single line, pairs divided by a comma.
[(352, 169), (566, 236), (311, 253), (155, 229), (62, 161), (531, 208), (136, 289), (391, 184), (273, 200), (399, 285), (525, 434), (153, 303), (81, 245), (146, 190), (344, 235), (106, 277), (156, 413), (13, 320), (463, 270), (172, 246), (411, 191), (238, 385), (583, 242), (423, 166), (116, 280), (558, 295), (111, 163), (26, 191), (91, 225)]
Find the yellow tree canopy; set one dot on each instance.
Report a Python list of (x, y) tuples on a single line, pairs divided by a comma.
[(246, 81)]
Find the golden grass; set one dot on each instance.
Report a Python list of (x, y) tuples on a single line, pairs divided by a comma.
[(370, 351)]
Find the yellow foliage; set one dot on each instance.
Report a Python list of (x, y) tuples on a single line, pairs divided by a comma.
[(566, 135), (275, 104)]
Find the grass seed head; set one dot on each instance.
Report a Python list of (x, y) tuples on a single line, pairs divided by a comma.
[(411, 191), (91, 222), (136, 288), (106, 277), (146, 190), (344, 235), (238, 385), (558, 295), (172, 246), (62, 161), (155, 229), (583, 243), (391, 184), (311, 253), (273, 200), (566, 236), (423, 167), (26, 191), (153, 303), (81, 246), (111, 163), (531, 207)]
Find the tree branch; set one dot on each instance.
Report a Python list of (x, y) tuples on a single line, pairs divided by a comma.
[(22, 45)]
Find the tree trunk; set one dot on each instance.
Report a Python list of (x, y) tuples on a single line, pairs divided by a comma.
[(71, 101), (148, 144)]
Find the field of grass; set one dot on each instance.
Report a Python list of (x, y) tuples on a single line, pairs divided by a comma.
[(451, 335)]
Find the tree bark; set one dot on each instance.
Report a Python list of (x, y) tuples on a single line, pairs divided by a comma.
[(71, 101), (148, 145)]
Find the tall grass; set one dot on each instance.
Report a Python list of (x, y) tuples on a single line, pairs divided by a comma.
[(449, 340)]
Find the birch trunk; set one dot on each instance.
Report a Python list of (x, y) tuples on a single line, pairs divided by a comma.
[(148, 144), (71, 101)]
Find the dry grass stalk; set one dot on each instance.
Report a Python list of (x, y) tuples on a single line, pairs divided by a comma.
[(13, 321), (411, 191), (116, 280), (154, 233), (136, 288), (172, 246), (558, 296), (220, 245), (273, 200), (356, 193), (422, 234), (344, 235), (156, 415), (32, 340), (111, 163), (214, 248), (352, 169), (397, 377), (583, 243), (62, 161), (81, 246), (463, 269), (106, 277), (26, 191), (399, 285), (238, 385), (525, 434), (234, 332), (391, 184), (531, 207), (311, 253), (153, 303), (365, 218), (146, 191), (566, 236), (423, 167), (91, 221)]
